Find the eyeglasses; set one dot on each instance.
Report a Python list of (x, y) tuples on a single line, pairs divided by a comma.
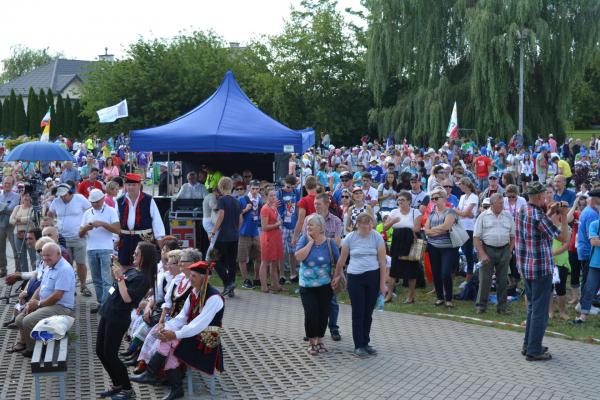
[(345, 197), (435, 198), (448, 186), (512, 197), (240, 188), (493, 178)]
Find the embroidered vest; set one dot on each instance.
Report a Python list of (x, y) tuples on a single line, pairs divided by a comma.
[(196, 308), (143, 220)]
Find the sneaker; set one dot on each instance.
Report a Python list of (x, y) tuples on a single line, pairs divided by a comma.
[(231, 293), (294, 279), (335, 336), (227, 289), (524, 350), (247, 284), (282, 280), (360, 353), (541, 357), (371, 350)]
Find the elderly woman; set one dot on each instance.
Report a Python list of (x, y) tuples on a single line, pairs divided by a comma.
[(23, 219), (317, 256), (366, 278), (406, 222), (467, 212), (443, 256)]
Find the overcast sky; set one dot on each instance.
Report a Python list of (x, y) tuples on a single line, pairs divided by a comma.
[(82, 29)]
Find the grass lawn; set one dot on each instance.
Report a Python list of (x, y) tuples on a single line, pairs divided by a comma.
[(583, 134), (463, 311)]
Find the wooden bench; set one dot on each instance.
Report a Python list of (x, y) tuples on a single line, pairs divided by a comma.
[(190, 383), (50, 360)]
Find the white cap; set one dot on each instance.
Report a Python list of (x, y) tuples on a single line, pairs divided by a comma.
[(95, 195)]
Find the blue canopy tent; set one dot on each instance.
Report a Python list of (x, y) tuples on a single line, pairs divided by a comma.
[(226, 122)]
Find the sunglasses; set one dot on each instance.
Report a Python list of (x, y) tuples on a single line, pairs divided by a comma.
[(39, 251), (345, 197), (512, 197), (493, 178), (240, 188), (448, 186), (435, 198)]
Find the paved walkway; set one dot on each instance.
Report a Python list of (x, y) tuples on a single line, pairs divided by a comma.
[(419, 358)]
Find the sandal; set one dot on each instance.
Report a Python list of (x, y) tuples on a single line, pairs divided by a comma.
[(407, 301), (449, 304), (321, 348), (312, 350), (439, 302), (86, 292), (17, 347)]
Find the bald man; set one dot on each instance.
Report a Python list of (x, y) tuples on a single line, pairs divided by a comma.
[(55, 296)]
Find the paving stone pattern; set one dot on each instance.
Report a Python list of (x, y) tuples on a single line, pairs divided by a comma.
[(265, 358)]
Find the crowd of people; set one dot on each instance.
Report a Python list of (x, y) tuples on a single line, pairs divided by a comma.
[(508, 217)]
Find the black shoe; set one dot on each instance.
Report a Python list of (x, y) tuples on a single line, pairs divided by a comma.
[(7, 323), (541, 357), (128, 353), (335, 336), (227, 289), (174, 379), (150, 376), (294, 279), (256, 282), (371, 350), (124, 395), (132, 362), (282, 280), (231, 293), (247, 284), (305, 338), (27, 353), (110, 392), (524, 350), (502, 311), (94, 310)]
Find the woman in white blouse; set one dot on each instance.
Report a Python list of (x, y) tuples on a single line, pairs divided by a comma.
[(22, 218), (467, 212)]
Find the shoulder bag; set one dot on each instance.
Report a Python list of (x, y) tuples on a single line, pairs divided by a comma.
[(416, 249), (458, 234), (343, 282)]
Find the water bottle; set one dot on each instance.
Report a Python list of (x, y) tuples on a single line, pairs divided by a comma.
[(380, 303)]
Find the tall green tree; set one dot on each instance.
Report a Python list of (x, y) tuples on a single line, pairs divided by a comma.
[(4, 117), (1, 116), (76, 121), (23, 59), (32, 113), (586, 92), (425, 54), (58, 123), (42, 106), (12, 107), (68, 117), (20, 122)]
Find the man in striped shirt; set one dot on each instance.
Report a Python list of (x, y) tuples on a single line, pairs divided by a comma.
[(535, 232)]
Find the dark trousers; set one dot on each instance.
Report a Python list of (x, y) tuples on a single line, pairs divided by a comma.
[(316, 302), (539, 293), (334, 312), (585, 267), (227, 261), (575, 268), (467, 249), (443, 262), (108, 341), (363, 290)]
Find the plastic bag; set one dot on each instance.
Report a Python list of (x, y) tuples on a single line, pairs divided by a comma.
[(52, 328)]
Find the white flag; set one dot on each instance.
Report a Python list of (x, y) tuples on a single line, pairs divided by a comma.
[(452, 131), (112, 113)]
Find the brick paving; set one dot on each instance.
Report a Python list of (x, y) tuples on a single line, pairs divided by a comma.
[(419, 358)]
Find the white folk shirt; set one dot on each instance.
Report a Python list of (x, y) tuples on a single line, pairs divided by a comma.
[(184, 329), (100, 238), (158, 228)]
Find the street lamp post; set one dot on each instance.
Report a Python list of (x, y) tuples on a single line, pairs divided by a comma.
[(521, 35)]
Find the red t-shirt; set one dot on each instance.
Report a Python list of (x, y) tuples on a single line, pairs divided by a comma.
[(308, 203), (482, 165), (86, 186)]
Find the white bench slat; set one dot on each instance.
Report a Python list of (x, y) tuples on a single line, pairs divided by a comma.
[(37, 352), (49, 352), (62, 352)]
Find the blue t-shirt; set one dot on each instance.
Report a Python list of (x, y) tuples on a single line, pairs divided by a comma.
[(357, 176), (288, 207), (251, 219), (584, 248), (315, 270), (323, 178), (336, 178), (568, 196), (59, 277), (595, 252), (376, 173)]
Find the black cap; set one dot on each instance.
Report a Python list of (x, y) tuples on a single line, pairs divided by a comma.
[(594, 193)]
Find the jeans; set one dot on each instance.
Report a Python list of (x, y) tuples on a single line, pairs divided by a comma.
[(108, 341), (539, 293), (443, 264), (467, 249), (333, 314), (363, 290), (589, 291), (316, 302), (99, 261), (482, 183)]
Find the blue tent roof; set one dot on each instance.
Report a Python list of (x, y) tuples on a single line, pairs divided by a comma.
[(225, 122)]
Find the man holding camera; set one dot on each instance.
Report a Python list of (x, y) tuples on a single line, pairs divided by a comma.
[(534, 234), (8, 201), (98, 225)]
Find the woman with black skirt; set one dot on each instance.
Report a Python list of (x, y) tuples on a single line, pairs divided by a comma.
[(130, 286), (406, 222)]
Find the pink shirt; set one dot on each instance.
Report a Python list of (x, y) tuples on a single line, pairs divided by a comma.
[(109, 201)]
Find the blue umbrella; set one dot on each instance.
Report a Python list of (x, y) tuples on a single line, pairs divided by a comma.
[(38, 151)]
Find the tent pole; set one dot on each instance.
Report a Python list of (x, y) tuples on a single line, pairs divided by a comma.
[(169, 181)]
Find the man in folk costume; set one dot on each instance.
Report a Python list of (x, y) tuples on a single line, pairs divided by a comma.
[(192, 337), (139, 217)]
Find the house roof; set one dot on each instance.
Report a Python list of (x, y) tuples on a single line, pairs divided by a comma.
[(56, 74)]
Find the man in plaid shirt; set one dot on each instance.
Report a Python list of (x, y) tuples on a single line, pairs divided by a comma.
[(534, 234)]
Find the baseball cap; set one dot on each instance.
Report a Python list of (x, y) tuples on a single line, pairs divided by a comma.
[(95, 195), (486, 202), (356, 189), (62, 189), (536, 188), (345, 175)]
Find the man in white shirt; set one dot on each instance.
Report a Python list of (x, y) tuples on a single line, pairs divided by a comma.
[(370, 192), (8, 201), (68, 208), (98, 225), (139, 218), (192, 189)]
